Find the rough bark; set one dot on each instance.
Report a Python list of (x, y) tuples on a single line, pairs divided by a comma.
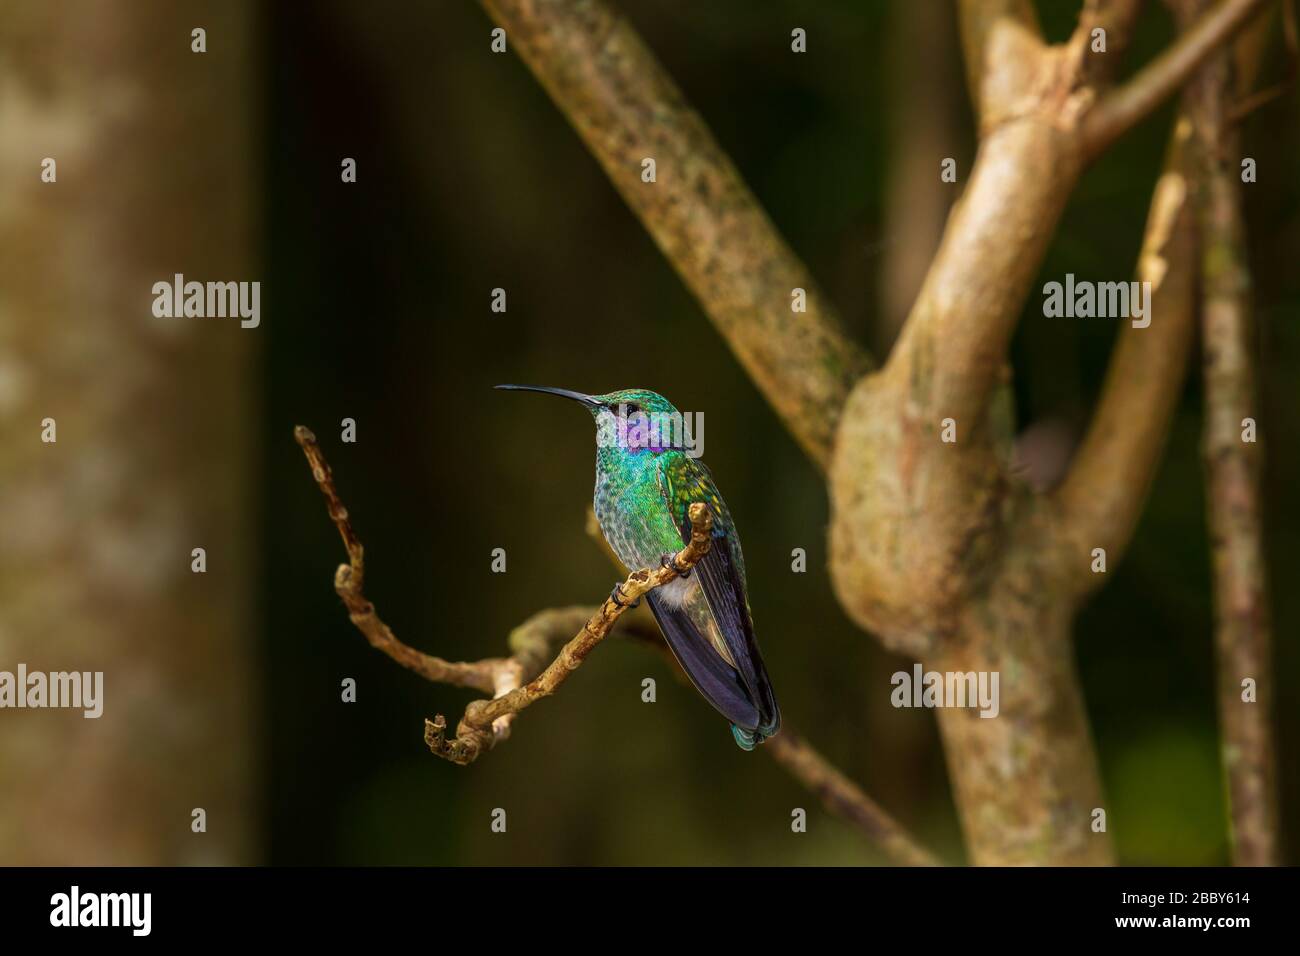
[(1232, 465), (934, 546), (153, 149), (1026, 781), (699, 210)]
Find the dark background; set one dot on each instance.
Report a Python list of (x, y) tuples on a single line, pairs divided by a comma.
[(376, 307)]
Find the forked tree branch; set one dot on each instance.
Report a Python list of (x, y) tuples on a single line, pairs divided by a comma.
[(476, 731), (1248, 58), (526, 676), (952, 352), (487, 721), (933, 546), (953, 346), (1101, 498), (700, 212), (1125, 106)]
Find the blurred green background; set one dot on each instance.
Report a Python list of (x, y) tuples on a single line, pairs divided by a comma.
[(377, 298)]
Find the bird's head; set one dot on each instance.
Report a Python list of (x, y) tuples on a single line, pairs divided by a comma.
[(631, 419)]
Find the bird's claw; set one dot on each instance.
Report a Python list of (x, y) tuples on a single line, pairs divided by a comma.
[(616, 596), (670, 561)]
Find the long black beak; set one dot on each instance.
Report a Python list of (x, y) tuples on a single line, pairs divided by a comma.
[(562, 392)]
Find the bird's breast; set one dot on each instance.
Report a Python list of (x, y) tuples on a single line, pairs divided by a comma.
[(623, 506)]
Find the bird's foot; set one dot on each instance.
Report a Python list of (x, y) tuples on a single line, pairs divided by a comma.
[(670, 561), (616, 596)]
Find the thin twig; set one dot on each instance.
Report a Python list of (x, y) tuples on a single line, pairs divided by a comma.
[(1123, 107), (488, 721), (348, 582), (532, 645), (1253, 101), (845, 798), (475, 732), (840, 795), (790, 749)]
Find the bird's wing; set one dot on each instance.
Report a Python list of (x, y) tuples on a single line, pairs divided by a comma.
[(684, 481), (713, 677)]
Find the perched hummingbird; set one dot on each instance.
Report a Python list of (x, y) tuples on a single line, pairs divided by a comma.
[(645, 484)]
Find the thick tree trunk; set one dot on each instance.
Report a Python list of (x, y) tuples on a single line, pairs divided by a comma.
[(152, 417), (1026, 781)]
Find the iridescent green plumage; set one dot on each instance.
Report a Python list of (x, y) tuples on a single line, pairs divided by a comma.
[(645, 484)]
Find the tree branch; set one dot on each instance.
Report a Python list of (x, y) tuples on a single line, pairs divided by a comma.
[(699, 211), (909, 508), (476, 732), (350, 578), (1248, 57), (981, 22), (532, 645), (1242, 627), (1036, 114), (488, 721), (1100, 500), (1125, 106), (840, 795), (845, 799), (933, 546), (1117, 18)]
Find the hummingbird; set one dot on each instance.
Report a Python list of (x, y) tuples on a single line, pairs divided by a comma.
[(645, 485)]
